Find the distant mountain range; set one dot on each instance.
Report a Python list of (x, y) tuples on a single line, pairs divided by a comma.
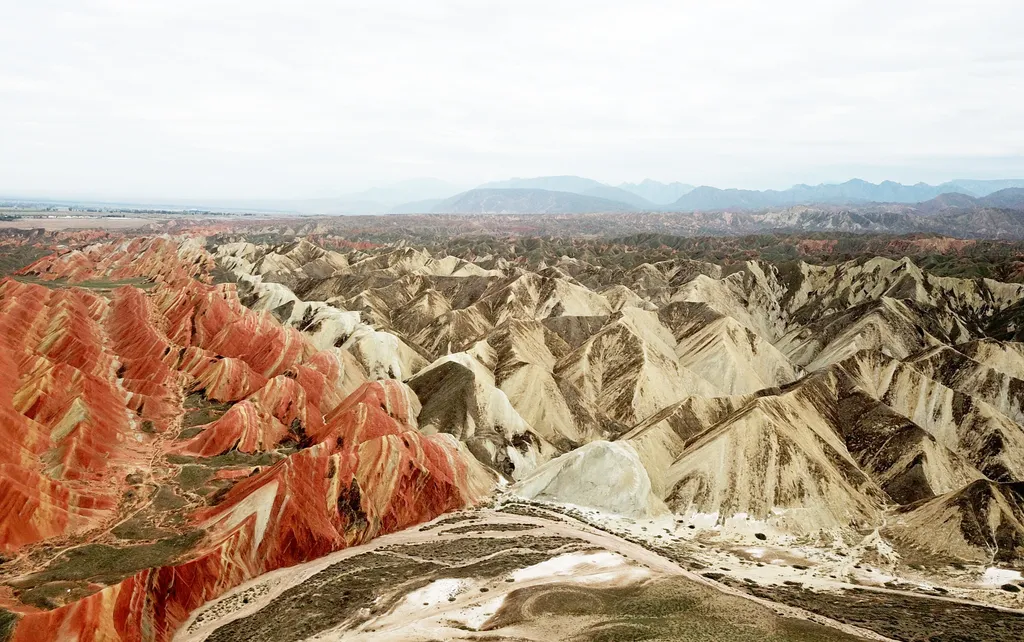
[(404, 197), (576, 185), (517, 200), (999, 215), (576, 194), (573, 194), (1009, 198), (851, 192), (425, 206), (658, 193)]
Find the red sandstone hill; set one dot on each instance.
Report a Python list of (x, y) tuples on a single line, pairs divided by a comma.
[(168, 444)]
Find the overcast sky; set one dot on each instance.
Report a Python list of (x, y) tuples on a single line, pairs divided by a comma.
[(260, 99)]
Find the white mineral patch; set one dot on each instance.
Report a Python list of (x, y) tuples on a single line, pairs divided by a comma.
[(436, 592), (998, 576), (703, 520), (475, 616), (583, 567), (608, 476)]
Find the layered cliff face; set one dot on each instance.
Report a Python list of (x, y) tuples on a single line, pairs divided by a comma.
[(164, 445), (171, 260), (166, 439)]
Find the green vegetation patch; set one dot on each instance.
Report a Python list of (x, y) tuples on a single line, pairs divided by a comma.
[(166, 499), (7, 622), (193, 476), (14, 258), (104, 564), (234, 459), (903, 617), (55, 594), (140, 528), (200, 411), (490, 528), (666, 609)]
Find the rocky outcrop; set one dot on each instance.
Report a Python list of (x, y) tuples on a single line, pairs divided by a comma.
[(849, 374), (605, 475), (982, 522), (459, 398)]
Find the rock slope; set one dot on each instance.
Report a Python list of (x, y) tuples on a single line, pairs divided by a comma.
[(815, 397), (163, 446), (167, 438)]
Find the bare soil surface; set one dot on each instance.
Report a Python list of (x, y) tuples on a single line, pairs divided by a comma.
[(491, 574), (70, 223)]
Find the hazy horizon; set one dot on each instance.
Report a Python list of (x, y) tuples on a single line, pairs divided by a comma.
[(455, 189), (227, 100)]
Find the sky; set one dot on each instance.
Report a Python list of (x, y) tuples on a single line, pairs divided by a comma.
[(259, 99)]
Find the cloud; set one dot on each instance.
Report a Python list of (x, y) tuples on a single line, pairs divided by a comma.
[(265, 99)]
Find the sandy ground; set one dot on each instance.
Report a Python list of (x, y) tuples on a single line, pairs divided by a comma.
[(748, 549), (72, 223), (448, 607)]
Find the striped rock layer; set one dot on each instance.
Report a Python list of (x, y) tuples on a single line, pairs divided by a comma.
[(93, 390)]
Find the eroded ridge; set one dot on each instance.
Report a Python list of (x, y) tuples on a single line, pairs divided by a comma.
[(218, 414), (166, 445)]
